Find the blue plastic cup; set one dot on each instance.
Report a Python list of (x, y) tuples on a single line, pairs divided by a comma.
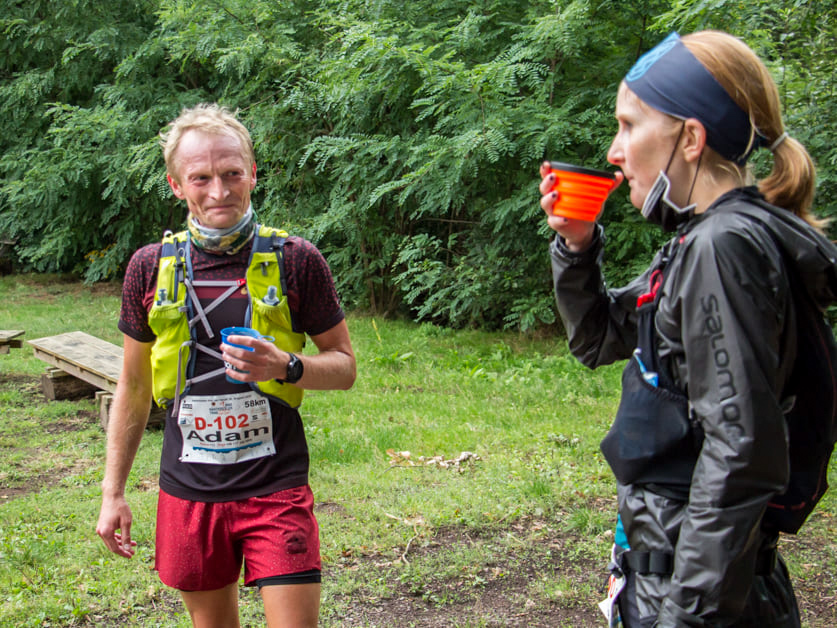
[(240, 331)]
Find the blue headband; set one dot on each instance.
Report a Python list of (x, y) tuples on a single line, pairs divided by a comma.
[(670, 79)]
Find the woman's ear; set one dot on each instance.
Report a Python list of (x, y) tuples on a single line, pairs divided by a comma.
[(693, 140)]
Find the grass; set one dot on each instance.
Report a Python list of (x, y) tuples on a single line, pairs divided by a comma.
[(516, 531)]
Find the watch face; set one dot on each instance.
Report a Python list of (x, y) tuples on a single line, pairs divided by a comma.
[(294, 369)]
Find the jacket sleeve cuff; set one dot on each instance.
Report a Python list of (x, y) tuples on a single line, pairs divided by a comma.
[(589, 255)]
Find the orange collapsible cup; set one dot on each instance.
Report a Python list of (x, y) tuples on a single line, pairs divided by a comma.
[(581, 191)]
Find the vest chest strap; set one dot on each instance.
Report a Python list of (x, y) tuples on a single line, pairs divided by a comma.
[(197, 378), (201, 312)]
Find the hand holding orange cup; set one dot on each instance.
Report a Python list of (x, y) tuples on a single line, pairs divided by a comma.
[(581, 191)]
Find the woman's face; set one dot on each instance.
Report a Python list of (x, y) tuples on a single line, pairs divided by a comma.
[(643, 144)]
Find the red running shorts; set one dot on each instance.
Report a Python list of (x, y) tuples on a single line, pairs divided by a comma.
[(200, 546)]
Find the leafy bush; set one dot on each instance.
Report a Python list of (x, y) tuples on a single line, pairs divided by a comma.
[(404, 140)]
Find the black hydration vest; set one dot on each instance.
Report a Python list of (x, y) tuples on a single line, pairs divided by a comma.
[(654, 441)]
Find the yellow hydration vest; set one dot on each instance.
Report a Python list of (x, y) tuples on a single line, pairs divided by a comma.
[(177, 312)]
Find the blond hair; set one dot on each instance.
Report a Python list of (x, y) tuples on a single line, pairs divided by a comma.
[(791, 182), (206, 118)]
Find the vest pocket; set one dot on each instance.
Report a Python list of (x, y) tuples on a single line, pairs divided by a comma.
[(652, 440), (278, 314), (275, 320), (171, 326)]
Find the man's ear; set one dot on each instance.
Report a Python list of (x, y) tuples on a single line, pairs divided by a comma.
[(253, 178), (175, 187), (694, 139)]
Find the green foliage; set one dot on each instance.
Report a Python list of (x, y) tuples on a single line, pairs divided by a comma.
[(403, 140), (78, 165)]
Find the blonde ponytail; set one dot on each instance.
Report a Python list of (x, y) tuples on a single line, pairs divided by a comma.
[(791, 182)]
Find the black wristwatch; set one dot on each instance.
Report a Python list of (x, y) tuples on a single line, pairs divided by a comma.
[(294, 370)]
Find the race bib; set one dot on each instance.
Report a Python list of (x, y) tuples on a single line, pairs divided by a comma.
[(225, 429), (608, 606), (615, 585)]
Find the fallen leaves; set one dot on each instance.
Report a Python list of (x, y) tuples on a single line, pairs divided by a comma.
[(405, 459)]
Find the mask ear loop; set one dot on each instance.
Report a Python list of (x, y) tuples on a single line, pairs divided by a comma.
[(671, 158), (694, 179), (674, 150)]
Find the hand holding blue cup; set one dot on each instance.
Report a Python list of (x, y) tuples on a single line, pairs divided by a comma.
[(240, 331)]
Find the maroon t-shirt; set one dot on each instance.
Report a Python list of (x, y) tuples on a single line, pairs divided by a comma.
[(314, 308)]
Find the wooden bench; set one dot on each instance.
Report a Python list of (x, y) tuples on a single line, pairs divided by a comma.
[(83, 364), (10, 339)]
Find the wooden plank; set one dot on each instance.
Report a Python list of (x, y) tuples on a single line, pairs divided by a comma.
[(157, 416), (9, 339), (105, 399), (58, 384), (86, 357), (92, 360)]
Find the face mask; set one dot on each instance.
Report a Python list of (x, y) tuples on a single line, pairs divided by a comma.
[(659, 209), (223, 241)]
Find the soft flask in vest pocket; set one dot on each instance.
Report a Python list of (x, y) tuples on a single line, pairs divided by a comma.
[(171, 327), (264, 314)]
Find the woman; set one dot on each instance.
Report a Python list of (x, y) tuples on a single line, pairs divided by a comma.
[(699, 445)]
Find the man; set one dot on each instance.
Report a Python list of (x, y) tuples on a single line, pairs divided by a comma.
[(234, 467)]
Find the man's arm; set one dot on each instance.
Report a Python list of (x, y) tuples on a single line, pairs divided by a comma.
[(334, 367), (128, 418)]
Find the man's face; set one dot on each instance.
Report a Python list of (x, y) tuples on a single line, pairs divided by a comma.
[(214, 177)]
